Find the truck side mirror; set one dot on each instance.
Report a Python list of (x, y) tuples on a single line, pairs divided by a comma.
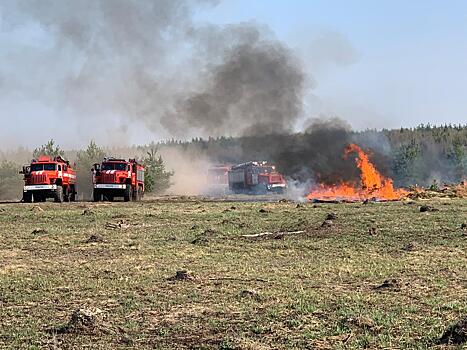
[(26, 170)]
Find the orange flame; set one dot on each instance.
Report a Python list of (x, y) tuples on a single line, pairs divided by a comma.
[(373, 184)]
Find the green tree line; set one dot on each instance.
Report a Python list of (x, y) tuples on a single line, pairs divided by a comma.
[(409, 155)]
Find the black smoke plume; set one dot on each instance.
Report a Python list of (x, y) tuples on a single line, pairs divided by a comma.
[(256, 88), (148, 61)]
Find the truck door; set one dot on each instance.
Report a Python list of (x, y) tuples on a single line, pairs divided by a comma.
[(254, 179)]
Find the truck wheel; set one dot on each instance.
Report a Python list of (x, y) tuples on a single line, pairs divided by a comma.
[(127, 194), (108, 198), (96, 196), (280, 191), (66, 194), (73, 194), (38, 197), (27, 197), (139, 194), (58, 195), (136, 194)]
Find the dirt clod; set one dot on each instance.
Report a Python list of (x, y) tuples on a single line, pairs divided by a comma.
[(95, 239), (250, 293), (121, 224), (425, 208), (39, 231), (209, 231), (86, 317), (327, 223), (200, 240), (182, 275), (36, 209), (456, 334), (361, 321), (126, 341), (410, 247), (390, 284), (83, 320)]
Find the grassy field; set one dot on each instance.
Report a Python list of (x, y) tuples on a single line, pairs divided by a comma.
[(380, 275)]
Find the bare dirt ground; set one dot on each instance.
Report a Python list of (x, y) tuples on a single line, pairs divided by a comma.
[(185, 273)]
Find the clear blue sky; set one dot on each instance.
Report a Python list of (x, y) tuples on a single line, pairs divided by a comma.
[(374, 63), (411, 56)]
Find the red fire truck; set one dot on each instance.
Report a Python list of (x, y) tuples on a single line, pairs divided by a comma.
[(49, 178), (256, 178), (118, 178), (218, 175), (218, 179)]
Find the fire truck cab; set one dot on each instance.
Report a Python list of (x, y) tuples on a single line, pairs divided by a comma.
[(49, 178), (118, 178)]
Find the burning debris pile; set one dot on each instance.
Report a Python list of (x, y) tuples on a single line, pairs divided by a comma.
[(372, 185), (434, 191)]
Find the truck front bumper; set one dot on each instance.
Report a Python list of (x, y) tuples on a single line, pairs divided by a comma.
[(110, 186), (39, 187), (272, 186)]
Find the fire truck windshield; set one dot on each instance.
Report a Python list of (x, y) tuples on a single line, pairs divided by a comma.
[(113, 166), (40, 167)]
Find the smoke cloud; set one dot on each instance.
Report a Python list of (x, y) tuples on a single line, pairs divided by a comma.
[(316, 153), (256, 88), (117, 62)]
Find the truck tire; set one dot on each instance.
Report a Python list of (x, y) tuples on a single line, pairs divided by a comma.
[(136, 194), (127, 193), (27, 197), (108, 197), (38, 197), (96, 196), (73, 194), (58, 195), (66, 194), (139, 194)]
